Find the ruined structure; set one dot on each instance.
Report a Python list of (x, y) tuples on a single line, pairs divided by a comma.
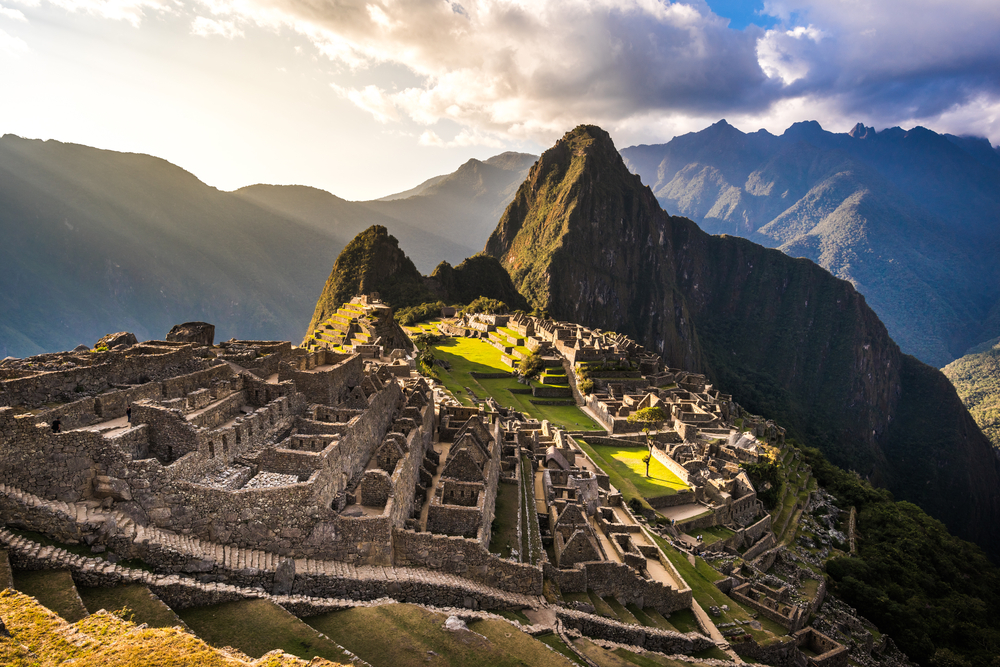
[(364, 326)]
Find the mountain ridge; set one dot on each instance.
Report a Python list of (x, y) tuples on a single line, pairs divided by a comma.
[(586, 240), (925, 258)]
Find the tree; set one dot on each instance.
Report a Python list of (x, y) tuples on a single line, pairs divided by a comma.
[(650, 418), (531, 365)]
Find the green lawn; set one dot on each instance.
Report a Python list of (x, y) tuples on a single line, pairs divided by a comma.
[(468, 355), (713, 534), (628, 462)]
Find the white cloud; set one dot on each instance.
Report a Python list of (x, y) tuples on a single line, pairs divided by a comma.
[(206, 27), (524, 69), (130, 11), (507, 70), (13, 14), (430, 138), (12, 47), (373, 100)]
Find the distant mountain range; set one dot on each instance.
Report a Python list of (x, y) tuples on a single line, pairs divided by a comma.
[(911, 218), (585, 240), (95, 241), (445, 218)]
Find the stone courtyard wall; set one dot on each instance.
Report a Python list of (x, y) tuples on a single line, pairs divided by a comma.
[(467, 558)]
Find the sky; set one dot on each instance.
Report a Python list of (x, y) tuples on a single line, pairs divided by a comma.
[(364, 98)]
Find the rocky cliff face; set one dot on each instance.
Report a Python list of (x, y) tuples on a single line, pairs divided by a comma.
[(585, 239), (908, 217)]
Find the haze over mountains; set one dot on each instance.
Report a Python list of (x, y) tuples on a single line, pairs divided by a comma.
[(911, 218), (97, 241)]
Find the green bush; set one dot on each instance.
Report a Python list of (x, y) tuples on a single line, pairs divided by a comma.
[(485, 305)]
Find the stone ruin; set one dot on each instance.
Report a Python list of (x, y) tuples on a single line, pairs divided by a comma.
[(365, 326)]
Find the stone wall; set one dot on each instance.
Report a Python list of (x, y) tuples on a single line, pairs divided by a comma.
[(762, 545), (622, 582), (651, 639), (328, 387), (467, 558), (137, 365), (680, 498)]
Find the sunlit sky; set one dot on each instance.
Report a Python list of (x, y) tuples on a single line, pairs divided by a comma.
[(366, 98)]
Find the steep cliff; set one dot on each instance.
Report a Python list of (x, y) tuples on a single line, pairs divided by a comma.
[(585, 239), (909, 217)]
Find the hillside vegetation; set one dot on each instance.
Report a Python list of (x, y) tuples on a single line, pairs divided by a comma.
[(976, 376), (374, 262)]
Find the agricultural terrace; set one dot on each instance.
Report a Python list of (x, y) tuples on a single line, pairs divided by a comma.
[(464, 356), (403, 634)]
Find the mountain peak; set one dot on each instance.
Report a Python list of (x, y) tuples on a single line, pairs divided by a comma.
[(859, 131), (371, 262)]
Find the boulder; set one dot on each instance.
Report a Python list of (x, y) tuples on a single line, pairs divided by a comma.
[(284, 577), (115, 339), (81, 348), (201, 333)]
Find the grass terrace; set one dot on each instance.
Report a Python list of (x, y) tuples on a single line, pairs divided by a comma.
[(701, 577), (143, 607), (713, 534), (258, 626), (626, 462), (469, 355), (403, 634)]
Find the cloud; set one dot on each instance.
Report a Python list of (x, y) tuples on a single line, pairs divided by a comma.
[(511, 70), (206, 27), (521, 69), (12, 47), (373, 100), (130, 11), (13, 14), (892, 58)]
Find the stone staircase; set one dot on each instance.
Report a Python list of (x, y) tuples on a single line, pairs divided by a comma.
[(157, 546)]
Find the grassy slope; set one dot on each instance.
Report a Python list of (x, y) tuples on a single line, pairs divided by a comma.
[(256, 627), (143, 607), (402, 634), (977, 379), (40, 638), (54, 589)]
